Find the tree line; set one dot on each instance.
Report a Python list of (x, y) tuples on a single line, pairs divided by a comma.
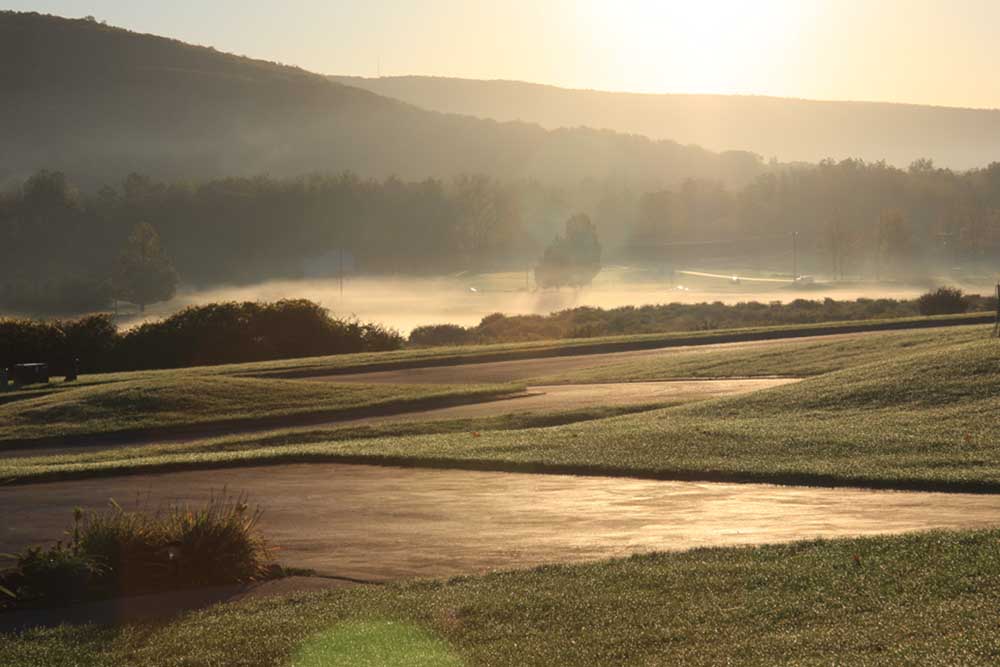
[(851, 219)]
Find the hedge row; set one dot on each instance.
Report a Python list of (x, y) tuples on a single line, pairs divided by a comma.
[(218, 333), (589, 322)]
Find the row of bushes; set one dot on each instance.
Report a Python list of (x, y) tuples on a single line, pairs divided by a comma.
[(588, 322), (234, 332), (217, 333), (118, 552)]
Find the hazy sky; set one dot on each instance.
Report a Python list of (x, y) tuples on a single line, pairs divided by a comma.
[(924, 51)]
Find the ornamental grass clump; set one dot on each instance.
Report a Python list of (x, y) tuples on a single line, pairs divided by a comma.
[(119, 552)]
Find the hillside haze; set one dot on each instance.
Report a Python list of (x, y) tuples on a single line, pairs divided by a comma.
[(790, 129), (100, 102)]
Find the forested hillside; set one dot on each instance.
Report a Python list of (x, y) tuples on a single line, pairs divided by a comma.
[(99, 102), (791, 129), (249, 171)]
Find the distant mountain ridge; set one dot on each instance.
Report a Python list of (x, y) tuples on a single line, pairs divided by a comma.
[(99, 102), (790, 129)]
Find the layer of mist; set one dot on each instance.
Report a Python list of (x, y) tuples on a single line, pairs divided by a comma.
[(406, 303)]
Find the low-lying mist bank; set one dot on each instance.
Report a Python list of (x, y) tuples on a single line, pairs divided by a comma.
[(405, 303), (848, 221), (231, 331)]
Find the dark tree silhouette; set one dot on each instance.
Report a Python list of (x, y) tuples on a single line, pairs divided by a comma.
[(943, 301), (573, 259), (143, 274)]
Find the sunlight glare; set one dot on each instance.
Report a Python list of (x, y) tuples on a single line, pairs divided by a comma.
[(712, 46)]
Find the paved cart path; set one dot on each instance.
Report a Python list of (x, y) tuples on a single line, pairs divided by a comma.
[(383, 523)]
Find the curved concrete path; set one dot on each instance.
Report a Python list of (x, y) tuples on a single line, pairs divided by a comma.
[(382, 523)]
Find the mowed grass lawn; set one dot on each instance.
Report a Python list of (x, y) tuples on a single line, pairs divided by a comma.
[(919, 599), (116, 402), (919, 409), (435, 356), (184, 399), (806, 358), (926, 419), (235, 449), (432, 356)]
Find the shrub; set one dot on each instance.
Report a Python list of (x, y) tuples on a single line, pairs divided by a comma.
[(121, 552), (55, 575), (500, 328), (30, 340), (439, 334), (90, 339), (234, 332), (378, 338), (217, 333), (176, 547), (943, 301), (588, 322)]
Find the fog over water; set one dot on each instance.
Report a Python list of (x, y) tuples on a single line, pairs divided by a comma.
[(407, 302)]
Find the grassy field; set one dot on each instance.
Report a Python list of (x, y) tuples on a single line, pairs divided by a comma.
[(215, 451), (925, 419), (914, 409), (927, 599), (434, 356), (792, 359), (173, 400)]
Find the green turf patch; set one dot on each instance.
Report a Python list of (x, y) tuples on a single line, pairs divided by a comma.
[(171, 401), (806, 358), (923, 416), (437, 356), (926, 420), (374, 644), (282, 444), (927, 599)]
